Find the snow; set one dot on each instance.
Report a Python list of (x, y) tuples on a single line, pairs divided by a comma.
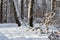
[(7, 25), (18, 33), (11, 31)]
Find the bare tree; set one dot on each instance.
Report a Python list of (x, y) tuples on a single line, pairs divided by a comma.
[(15, 15), (30, 13), (1, 3), (22, 9), (4, 11), (27, 7), (54, 5)]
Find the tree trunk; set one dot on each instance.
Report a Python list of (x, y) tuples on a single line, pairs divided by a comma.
[(27, 8), (10, 12), (44, 7), (15, 14), (1, 3), (22, 11), (54, 5), (54, 9), (4, 11), (30, 13)]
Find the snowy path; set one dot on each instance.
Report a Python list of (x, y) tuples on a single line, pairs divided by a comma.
[(19, 34)]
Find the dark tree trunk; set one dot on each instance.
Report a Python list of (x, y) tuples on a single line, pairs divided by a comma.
[(1, 11), (15, 15), (22, 11), (31, 14), (4, 11)]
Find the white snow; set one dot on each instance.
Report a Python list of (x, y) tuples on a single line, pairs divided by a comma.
[(7, 25), (12, 33)]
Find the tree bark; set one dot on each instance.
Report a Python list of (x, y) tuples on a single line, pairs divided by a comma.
[(1, 3), (27, 8), (30, 13), (4, 11), (54, 5), (15, 15), (22, 11)]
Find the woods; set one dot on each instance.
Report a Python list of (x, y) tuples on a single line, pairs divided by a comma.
[(12, 11), (30, 19), (15, 16)]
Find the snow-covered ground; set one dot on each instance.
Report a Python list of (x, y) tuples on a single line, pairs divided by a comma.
[(11, 31), (20, 34), (8, 25)]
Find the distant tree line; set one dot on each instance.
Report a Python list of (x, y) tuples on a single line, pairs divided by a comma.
[(28, 8)]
